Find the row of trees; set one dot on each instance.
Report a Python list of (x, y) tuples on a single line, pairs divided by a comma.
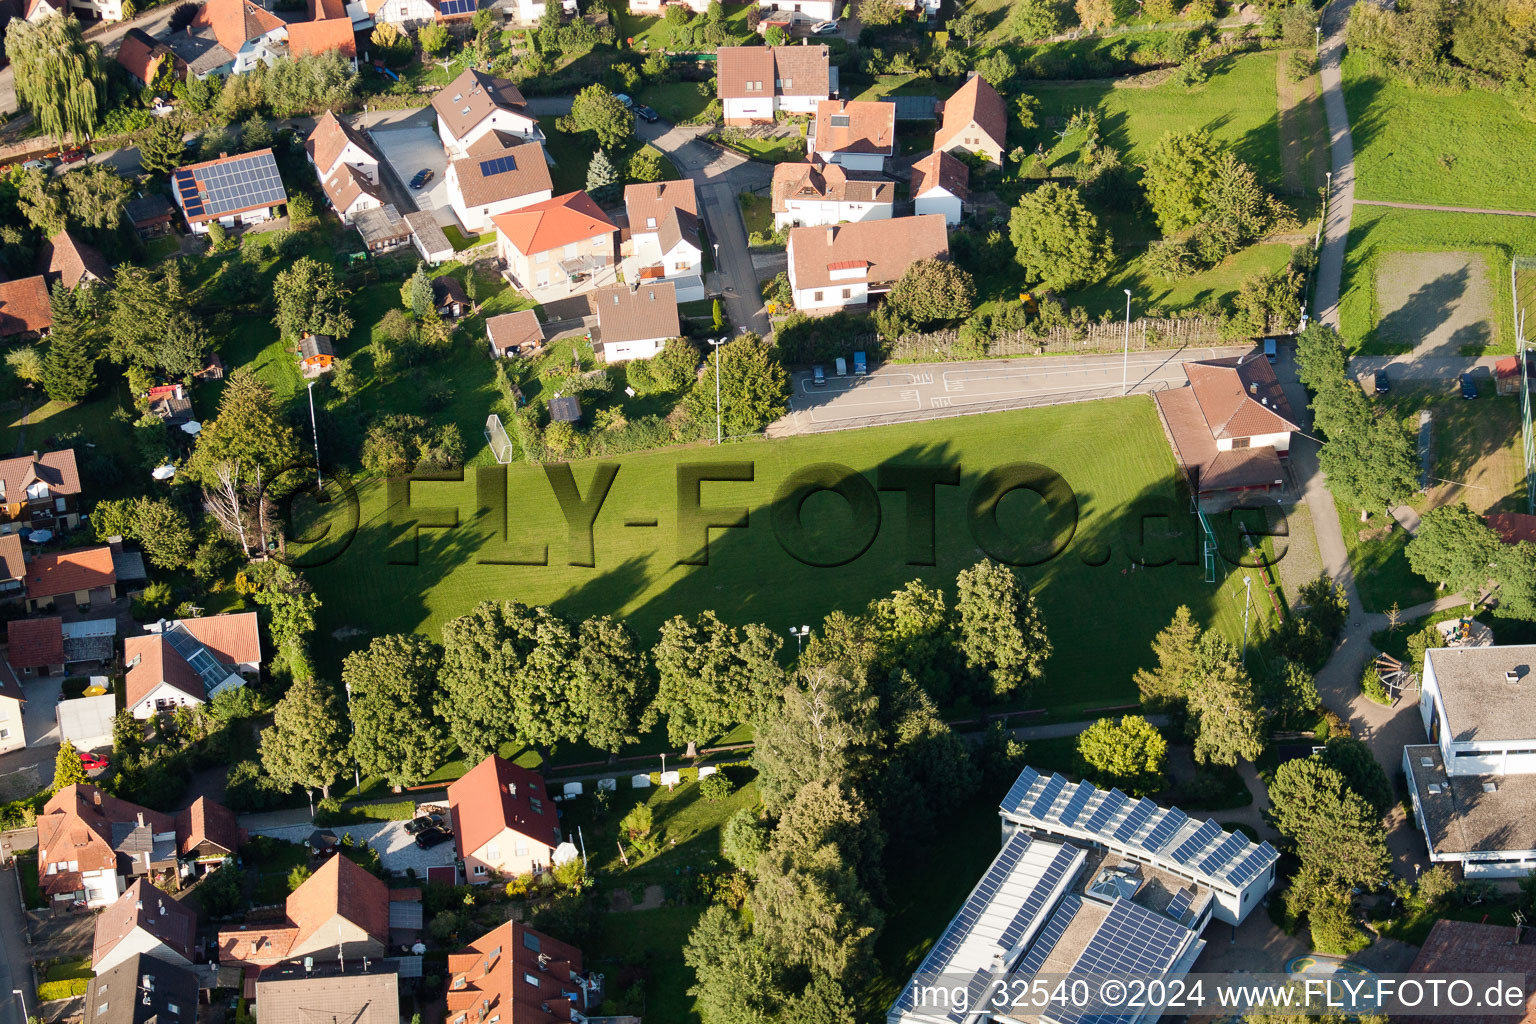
[(509, 671), (1368, 459), (1456, 547)]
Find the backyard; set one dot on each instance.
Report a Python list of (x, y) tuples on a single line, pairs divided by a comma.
[(1113, 454)]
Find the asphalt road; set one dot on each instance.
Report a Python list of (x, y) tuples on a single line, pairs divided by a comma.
[(908, 391)]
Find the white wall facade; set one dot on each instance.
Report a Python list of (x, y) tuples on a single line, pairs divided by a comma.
[(106, 10), (478, 218), (820, 10), (12, 735), (146, 708), (135, 943), (614, 352), (757, 108), (510, 854), (939, 200), (838, 293), (806, 213), (508, 121), (406, 12)]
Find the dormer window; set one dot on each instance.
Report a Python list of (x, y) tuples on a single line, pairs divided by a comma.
[(38, 491)]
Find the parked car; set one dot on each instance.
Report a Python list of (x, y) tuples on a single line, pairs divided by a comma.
[(1270, 352), (860, 366), (624, 99), (426, 821), (647, 114), (824, 28), (818, 376), (93, 762), (71, 156), (423, 176), (1468, 386), (432, 837), (37, 165), (1383, 383)]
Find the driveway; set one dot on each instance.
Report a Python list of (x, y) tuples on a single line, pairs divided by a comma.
[(913, 391), (409, 146), (397, 848)]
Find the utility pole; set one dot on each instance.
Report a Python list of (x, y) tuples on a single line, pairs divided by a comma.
[(1247, 600), (719, 438), (1125, 365)]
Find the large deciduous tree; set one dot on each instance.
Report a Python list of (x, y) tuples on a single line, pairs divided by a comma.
[(396, 730), (1177, 176), (932, 292), (712, 676), (1002, 634), (1057, 239), (600, 112), (823, 730), (611, 689), (310, 300), (306, 744), (58, 74), (1130, 754), (1455, 547), (1224, 709)]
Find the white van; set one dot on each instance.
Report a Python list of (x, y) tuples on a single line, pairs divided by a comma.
[(842, 367)]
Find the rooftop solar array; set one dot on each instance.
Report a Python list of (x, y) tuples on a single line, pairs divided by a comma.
[(448, 8), (209, 669), (1001, 913), (1051, 934), (498, 165), (1132, 942), (1180, 904), (244, 183), (1139, 827)]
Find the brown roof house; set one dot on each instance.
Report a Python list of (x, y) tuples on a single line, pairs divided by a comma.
[(187, 662), (316, 354), (144, 58), (941, 184), (561, 246), (383, 229), (449, 297), (504, 821), (249, 32), (756, 82), (520, 976), (13, 568), (635, 322), (346, 164), (808, 194), (974, 120), (24, 309), (1467, 947), (515, 334), (859, 135), (36, 645), (499, 173), (341, 909), (665, 243), (1230, 429), (838, 266), (476, 103), (144, 921), (233, 190), (207, 835), (78, 575), (350, 991), (63, 258), (151, 215), (89, 845), (143, 990), (40, 491)]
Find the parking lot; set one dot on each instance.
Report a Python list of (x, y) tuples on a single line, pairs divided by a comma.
[(410, 146), (397, 848), (910, 391)]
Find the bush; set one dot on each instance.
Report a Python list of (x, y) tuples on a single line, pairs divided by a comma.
[(716, 787), (155, 600), (743, 838), (1334, 930), (222, 893), (62, 989), (298, 876), (1373, 688), (637, 823), (1299, 65)]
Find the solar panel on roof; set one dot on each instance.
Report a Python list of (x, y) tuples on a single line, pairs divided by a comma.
[(448, 7), (1108, 808), (1053, 788), (1051, 934), (1163, 832), (498, 165), (209, 669), (1034, 903), (1131, 942), (1137, 818), (1078, 801), (1229, 848), (1195, 843), (1180, 904), (1020, 786), (1257, 861)]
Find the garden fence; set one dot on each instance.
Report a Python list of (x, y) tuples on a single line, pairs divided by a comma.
[(1147, 333)]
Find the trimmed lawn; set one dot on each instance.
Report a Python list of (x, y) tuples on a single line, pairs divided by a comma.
[(652, 940), (462, 241), (775, 150), (1149, 291), (1237, 105), (1475, 446), (676, 101), (1376, 231), (1412, 145), (1112, 454), (572, 154), (756, 212), (1380, 563), (645, 33)]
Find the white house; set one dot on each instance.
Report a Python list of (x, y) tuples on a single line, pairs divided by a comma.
[(252, 34), (635, 322), (528, 12), (664, 236), (808, 194), (815, 10), (755, 82), (233, 190), (475, 104), (839, 266), (187, 662), (860, 135), (500, 173), (334, 143), (941, 184), (12, 734), (504, 822), (1473, 785)]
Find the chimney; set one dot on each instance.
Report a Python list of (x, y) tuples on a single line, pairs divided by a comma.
[(1253, 389), (831, 233), (512, 788), (140, 816), (1512, 676)]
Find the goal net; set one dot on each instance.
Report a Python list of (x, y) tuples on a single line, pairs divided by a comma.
[(496, 437)]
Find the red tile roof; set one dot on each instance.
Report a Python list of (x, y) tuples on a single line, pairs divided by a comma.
[(333, 35), (13, 564), (976, 103), (141, 55), (57, 469), (24, 306), (497, 794), (76, 826), (1512, 527), (207, 823), (648, 312), (339, 887), (71, 261), (1240, 396), (235, 637), (35, 643), (554, 223), (941, 169), (234, 22), (492, 973), (889, 247), (774, 70), (870, 127), (329, 139), (1462, 947), (65, 573)]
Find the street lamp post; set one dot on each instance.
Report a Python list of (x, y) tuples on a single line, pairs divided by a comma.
[(719, 432), (1125, 364), (319, 481), (1319, 45), (799, 633), (357, 774)]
